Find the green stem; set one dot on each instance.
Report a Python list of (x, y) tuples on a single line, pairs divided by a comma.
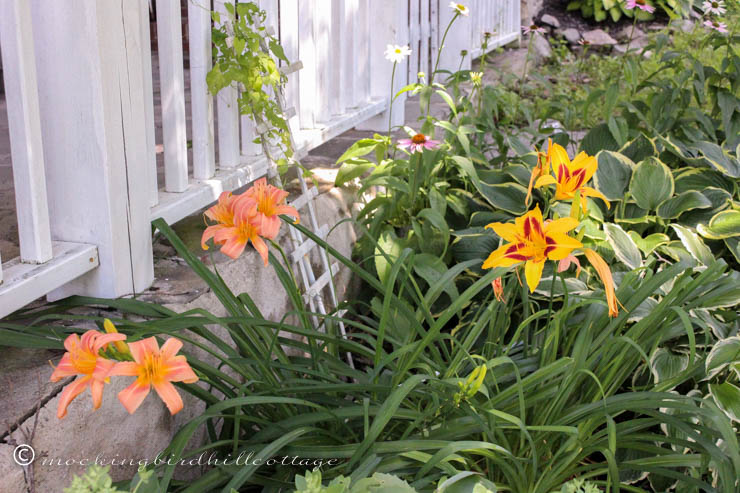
[(632, 32), (390, 105), (439, 55), (529, 53)]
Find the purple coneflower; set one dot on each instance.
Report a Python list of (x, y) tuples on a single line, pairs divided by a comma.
[(640, 4), (718, 26), (716, 7), (534, 28), (418, 143)]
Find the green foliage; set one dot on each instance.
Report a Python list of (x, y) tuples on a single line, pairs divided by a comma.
[(613, 10), (96, 479), (245, 57)]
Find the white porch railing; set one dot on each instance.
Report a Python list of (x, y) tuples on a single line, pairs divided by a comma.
[(81, 96)]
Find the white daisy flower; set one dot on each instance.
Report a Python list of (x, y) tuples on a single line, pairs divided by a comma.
[(396, 53), (460, 8)]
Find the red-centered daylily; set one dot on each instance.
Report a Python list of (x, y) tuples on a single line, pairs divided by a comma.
[(83, 358), (247, 227), (154, 367), (532, 242), (554, 153), (270, 203), (571, 177), (222, 213)]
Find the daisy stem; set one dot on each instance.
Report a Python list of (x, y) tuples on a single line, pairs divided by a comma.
[(439, 55), (390, 106)]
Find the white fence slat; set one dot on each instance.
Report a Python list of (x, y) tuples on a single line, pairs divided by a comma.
[(307, 54), (172, 87), (27, 153), (201, 101), (342, 27), (361, 52), (325, 99), (289, 40), (147, 84), (389, 26), (425, 35), (91, 101), (227, 115), (414, 39)]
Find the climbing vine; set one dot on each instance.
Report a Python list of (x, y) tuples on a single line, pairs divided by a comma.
[(245, 54)]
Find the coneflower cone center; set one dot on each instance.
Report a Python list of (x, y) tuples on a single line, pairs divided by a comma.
[(419, 139)]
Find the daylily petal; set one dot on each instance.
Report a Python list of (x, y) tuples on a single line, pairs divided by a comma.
[(533, 273), (178, 370), (562, 225), (124, 368), (139, 349), (96, 389), (63, 369), (132, 396), (102, 369), (592, 192), (168, 393), (499, 258), (261, 248), (506, 231), (543, 181), (104, 339), (602, 269), (170, 348), (70, 392), (233, 247)]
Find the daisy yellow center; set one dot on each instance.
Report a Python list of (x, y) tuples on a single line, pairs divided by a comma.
[(419, 139), (460, 7), (398, 50), (153, 369)]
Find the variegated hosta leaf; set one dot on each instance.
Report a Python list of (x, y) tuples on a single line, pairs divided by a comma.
[(727, 397), (650, 242), (624, 247), (724, 224), (573, 285), (724, 353), (651, 183), (643, 310), (694, 244), (678, 204), (718, 158), (665, 364), (733, 244), (613, 174), (638, 149)]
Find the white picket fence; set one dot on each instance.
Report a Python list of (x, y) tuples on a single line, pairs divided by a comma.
[(81, 97)]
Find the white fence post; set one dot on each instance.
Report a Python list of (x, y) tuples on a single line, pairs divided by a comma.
[(389, 25), (89, 69), (25, 131), (199, 29), (228, 113)]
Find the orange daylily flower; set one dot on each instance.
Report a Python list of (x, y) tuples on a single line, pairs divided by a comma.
[(247, 227), (270, 203), (498, 289), (570, 177), (602, 269), (531, 241), (154, 367), (222, 213), (83, 358)]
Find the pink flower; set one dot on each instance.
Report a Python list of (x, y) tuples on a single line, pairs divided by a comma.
[(640, 4), (534, 28), (418, 143), (718, 26), (716, 7)]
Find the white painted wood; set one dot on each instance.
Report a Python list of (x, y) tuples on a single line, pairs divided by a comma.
[(343, 34), (414, 39), (228, 115), (199, 30), (147, 82), (458, 39), (425, 35), (307, 53), (92, 106), (289, 40), (25, 283), (326, 59), (389, 26), (172, 87), (361, 53), (27, 153)]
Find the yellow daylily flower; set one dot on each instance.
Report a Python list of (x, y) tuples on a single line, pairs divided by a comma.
[(570, 177), (602, 269), (532, 241)]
